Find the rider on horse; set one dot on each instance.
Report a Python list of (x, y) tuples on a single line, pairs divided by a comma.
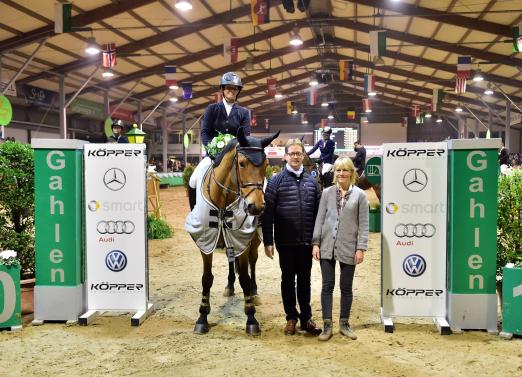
[(327, 148), (225, 117)]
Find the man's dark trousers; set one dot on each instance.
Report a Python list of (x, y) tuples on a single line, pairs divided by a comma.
[(296, 261)]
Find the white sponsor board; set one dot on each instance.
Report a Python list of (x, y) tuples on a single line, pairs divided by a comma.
[(414, 229), (115, 227)]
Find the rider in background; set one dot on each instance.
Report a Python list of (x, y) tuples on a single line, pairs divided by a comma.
[(360, 157), (224, 117), (117, 133), (327, 148)]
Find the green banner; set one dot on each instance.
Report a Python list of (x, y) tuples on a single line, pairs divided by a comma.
[(88, 108), (58, 217), (10, 309), (6, 111), (472, 222)]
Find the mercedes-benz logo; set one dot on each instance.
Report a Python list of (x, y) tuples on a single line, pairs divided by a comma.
[(114, 179), (414, 265), (415, 180)]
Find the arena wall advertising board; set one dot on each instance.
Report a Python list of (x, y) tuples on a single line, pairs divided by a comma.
[(414, 229), (115, 227)]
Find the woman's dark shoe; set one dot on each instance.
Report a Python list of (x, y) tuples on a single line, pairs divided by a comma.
[(327, 330)]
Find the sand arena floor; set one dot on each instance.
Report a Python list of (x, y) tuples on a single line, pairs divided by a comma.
[(165, 345)]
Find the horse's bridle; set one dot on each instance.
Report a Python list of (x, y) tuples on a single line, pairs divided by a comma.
[(240, 185)]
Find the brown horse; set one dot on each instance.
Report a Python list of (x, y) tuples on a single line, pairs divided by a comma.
[(237, 174)]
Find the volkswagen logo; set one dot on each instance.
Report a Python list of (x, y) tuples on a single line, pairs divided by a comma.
[(93, 205), (114, 179), (414, 265), (115, 227), (415, 230), (415, 180), (392, 208), (116, 261)]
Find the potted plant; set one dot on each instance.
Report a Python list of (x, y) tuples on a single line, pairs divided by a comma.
[(375, 218), (509, 223), (17, 203)]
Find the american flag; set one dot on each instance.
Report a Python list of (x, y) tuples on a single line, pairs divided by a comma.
[(109, 55), (460, 84)]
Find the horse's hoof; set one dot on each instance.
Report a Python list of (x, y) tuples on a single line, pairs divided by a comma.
[(229, 292), (201, 328), (253, 330), (257, 300)]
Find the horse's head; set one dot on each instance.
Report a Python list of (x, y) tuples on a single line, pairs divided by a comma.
[(251, 168)]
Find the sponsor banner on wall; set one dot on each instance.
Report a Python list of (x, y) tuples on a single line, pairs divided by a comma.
[(414, 229), (115, 228)]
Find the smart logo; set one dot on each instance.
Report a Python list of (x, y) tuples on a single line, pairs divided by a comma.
[(116, 261), (392, 208), (414, 265), (416, 209), (93, 205)]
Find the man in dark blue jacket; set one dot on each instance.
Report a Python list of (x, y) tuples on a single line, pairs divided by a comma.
[(291, 204)]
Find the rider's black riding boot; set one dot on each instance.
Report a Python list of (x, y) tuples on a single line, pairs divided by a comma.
[(192, 197)]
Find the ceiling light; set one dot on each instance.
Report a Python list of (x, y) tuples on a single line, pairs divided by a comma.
[(458, 109), (439, 120), (107, 73), (488, 91), (364, 120), (296, 38), (173, 87), (478, 76), (304, 121), (294, 110), (92, 47), (173, 99), (372, 94), (330, 116), (183, 5), (428, 115), (278, 96), (324, 103), (313, 81)]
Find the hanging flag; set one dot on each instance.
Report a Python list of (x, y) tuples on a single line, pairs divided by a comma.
[(62, 18), (187, 90), (253, 120), (369, 83), (272, 87), (170, 76), (230, 50), (367, 105), (517, 38), (436, 100), (460, 84), (464, 66), (218, 97), (377, 43), (304, 118), (415, 111), (109, 55), (312, 97), (260, 12), (289, 107), (346, 70), (404, 122), (350, 114), (324, 123), (267, 123)]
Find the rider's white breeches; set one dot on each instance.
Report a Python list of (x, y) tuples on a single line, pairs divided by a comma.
[(326, 168), (199, 171)]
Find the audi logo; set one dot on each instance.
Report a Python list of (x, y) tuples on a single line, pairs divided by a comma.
[(414, 265), (115, 227), (415, 230), (116, 261)]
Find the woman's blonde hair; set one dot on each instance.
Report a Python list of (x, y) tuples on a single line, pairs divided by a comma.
[(347, 164)]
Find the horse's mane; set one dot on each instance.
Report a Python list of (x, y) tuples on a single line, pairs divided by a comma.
[(231, 144)]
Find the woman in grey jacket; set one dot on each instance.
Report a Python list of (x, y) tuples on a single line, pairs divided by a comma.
[(340, 233)]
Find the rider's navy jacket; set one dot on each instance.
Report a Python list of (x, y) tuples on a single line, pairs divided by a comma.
[(216, 120), (327, 150), (291, 205)]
